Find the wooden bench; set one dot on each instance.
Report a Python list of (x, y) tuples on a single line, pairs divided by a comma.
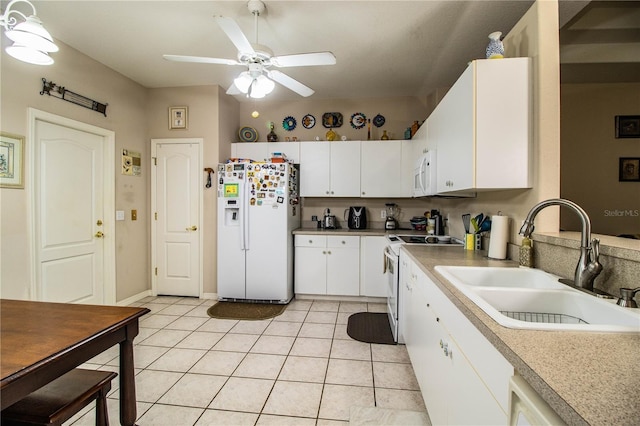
[(61, 399)]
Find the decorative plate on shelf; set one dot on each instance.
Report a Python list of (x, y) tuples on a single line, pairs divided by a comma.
[(248, 134), (308, 121), (289, 123), (358, 120), (378, 120), (332, 119)]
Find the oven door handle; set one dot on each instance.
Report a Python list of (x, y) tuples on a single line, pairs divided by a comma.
[(388, 257)]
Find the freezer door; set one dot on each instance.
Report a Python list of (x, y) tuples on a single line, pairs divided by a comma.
[(231, 256)]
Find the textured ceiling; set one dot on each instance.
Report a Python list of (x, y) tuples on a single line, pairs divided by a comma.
[(383, 48)]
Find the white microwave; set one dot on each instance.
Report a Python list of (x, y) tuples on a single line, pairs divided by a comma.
[(424, 175)]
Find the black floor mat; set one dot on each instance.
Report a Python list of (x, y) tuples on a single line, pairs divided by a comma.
[(370, 327)]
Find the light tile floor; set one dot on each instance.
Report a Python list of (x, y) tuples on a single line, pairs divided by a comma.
[(300, 368)]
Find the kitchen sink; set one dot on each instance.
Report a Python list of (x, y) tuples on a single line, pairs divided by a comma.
[(535, 300)]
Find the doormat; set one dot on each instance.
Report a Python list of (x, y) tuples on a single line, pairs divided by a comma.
[(370, 327), (245, 311)]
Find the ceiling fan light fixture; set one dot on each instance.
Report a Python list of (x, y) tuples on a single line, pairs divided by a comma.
[(243, 81), (261, 87), (31, 33), (29, 55)]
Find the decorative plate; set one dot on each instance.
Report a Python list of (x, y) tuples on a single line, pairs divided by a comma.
[(332, 119), (378, 120), (289, 123), (308, 121), (248, 134), (358, 120)]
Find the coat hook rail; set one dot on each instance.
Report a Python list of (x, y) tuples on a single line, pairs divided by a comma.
[(60, 92)]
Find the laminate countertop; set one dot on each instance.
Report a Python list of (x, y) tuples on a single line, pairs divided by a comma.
[(369, 232), (586, 377)]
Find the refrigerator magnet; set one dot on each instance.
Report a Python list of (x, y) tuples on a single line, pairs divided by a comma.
[(280, 200)]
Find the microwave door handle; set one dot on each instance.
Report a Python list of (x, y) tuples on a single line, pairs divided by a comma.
[(423, 172)]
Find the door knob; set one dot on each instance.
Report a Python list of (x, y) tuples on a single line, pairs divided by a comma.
[(193, 228), (99, 234)]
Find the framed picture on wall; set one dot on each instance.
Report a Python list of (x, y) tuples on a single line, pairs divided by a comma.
[(629, 169), (178, 118), (627, 126), (11, 161)]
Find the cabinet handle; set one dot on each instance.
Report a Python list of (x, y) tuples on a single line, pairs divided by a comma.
[(331, 192), (310, 241), (327, 192), (324, 252), (329, 252), (363, 193), (344, 242)]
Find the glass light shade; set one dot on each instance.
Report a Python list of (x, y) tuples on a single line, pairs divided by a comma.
[(243, 81), (32, 34), (27, 54), (261, 87)]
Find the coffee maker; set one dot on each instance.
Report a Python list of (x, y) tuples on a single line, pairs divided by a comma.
[(392, 213)]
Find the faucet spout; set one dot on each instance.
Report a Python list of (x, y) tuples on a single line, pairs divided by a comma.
[(588, 266)]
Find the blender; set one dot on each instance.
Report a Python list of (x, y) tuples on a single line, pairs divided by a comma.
[(392, 213)]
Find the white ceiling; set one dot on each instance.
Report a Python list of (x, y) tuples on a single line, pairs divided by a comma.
[(383, 48)]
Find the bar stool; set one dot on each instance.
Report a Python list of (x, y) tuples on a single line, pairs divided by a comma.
[(58, 401)]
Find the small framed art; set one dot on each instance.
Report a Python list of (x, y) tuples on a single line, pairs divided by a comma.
[(629, 169), (627, 126), (11, 161), (178, 118)]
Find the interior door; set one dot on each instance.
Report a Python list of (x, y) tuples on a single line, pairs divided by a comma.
[(69, 214), (177, 217)]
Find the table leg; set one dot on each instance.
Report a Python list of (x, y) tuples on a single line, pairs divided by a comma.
[(127, 384)]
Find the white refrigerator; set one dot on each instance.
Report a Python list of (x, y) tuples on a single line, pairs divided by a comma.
[(257, 210)]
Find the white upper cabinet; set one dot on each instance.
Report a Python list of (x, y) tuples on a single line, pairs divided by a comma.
[(330, 169), (380, 168), (482, 128)]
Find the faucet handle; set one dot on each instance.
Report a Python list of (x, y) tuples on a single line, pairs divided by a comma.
[(626, 297), (595, 248)]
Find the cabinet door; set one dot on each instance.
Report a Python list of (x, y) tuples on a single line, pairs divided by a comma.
[(250, 150), (468, 391), (404, 295), (407, 164), (345, 169), (373, 279), (380, 168), (343, 265), (451, 126), (310, 270), (314, 169)]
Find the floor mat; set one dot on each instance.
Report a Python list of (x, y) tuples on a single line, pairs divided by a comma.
[(245, 311), (370, 327)]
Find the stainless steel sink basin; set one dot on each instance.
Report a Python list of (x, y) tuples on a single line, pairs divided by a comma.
[(533, 299)]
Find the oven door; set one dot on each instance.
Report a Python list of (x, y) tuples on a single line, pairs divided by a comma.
[(391, 260)]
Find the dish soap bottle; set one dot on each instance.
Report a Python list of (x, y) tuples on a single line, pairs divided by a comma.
[(526, 253)]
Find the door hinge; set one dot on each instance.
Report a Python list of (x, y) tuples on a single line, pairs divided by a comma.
[(155, 161), (155, 215), (156, 272)]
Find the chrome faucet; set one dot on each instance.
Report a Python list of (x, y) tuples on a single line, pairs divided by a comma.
[(588, 266)]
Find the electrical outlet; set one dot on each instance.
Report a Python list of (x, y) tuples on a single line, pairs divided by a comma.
[(383, 214), (314, 218)]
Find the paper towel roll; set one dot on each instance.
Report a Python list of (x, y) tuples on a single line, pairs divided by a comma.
[(499, 237)]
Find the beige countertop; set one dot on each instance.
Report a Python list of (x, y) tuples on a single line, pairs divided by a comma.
[(586, 377), (359, 232)]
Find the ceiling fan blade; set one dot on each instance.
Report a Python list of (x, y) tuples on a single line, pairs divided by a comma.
[(304, 59), (201, 60), (235, 34), (290, 83)]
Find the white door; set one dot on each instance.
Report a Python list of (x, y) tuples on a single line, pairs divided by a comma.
[(73, 228), (177, 213)]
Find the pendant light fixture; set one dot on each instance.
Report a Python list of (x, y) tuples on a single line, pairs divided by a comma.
[(32, 43)]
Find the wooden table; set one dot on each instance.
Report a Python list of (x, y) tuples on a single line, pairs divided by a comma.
[(41, 341)]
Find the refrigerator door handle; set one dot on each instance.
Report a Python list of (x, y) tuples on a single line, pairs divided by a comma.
[(244, 218)]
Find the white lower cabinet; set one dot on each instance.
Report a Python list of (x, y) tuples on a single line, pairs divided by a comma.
[(327, 265), (373, 280), (459, 386)]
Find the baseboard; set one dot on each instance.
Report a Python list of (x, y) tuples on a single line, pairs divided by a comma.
[(133, 299), (210, 296)]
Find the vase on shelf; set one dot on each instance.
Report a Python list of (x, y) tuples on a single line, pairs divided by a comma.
[(385, 136), (271, 136), (495, 48)]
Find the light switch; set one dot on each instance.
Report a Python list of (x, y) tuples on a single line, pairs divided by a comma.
[(134, 214), (119, 214)]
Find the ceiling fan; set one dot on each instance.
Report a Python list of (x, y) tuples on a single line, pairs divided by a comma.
[(259, 78)]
